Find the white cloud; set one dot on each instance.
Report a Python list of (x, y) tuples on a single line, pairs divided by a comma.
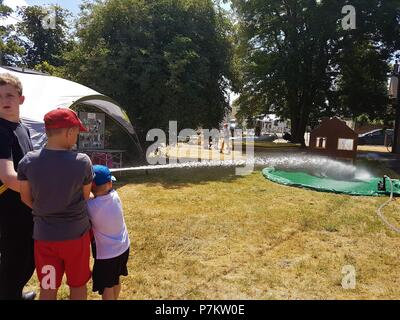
[(13, 4)]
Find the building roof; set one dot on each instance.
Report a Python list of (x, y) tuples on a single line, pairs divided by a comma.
[(340, 127)]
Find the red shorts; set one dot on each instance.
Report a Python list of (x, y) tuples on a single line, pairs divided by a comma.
[(54, 258)]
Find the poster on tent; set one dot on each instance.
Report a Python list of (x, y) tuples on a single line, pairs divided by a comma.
[(94, 138)]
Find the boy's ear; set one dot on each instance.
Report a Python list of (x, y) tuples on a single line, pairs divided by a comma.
[(21, 100), (70, 130)]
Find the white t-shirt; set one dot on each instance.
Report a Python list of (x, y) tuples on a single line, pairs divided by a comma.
[(108, 224)]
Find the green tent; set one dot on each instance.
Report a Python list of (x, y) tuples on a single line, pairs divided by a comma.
[(368, 187)]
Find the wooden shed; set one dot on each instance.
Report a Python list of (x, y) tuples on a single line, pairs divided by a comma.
[(333, 138)]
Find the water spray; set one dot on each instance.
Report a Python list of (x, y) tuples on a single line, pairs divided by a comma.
[(317, 166)]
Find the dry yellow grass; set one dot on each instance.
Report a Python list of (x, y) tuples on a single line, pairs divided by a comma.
[(373, 148), (208, 234)]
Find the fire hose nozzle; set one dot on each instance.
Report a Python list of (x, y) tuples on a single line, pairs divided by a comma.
[(382, 184)]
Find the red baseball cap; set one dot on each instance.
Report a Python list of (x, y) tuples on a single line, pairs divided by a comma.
[(63, 118)]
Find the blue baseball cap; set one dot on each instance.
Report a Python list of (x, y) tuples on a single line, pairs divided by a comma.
[(102, 175)]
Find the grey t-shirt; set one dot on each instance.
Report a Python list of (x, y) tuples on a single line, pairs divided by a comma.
[(57, 179)]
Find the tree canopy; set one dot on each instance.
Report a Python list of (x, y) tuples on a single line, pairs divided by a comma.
[(10, 50), (298, 60), (44, 41), (166, 60), (163, 60)]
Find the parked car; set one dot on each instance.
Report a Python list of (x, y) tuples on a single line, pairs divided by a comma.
[(267, 138), (375, 137)]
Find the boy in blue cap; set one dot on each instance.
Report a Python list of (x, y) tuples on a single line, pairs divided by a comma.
[(111, 241)]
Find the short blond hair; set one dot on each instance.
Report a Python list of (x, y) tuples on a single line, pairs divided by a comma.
[(55, 132), (7, 78)]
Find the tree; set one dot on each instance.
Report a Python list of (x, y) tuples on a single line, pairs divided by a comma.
[(10, 51), (44, 43), (162, 60), (299, 62)]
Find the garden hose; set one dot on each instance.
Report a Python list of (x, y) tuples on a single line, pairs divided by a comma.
[(379, 212)]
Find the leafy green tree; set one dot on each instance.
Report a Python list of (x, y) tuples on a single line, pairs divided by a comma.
[(44, 42), (10, 51), (298, 61), (162, 59)]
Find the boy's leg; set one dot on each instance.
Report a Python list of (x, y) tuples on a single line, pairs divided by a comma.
[(78, 293), (49, 269), (10, 264), (112, 293), (16, 264), (48, 294), (107, 273), (108, 294), (117, 290), (28, 262), (76, 256)]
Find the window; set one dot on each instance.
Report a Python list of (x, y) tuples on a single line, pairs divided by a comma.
[(375, 134), (346, 144), (321, 143)]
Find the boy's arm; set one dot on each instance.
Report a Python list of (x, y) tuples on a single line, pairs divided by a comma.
[(86, 191), (88, 178), (26, 193), (8, 175)]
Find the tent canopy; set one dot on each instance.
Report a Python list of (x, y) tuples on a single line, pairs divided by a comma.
[(45, 93)]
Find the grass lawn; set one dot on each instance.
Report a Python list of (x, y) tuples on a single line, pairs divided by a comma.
[(209, 234), (272, 145), (373, 149)]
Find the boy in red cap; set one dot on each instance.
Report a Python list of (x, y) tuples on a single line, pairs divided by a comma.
[(56, 182)]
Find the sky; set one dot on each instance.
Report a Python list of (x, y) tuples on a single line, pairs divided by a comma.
[(71, 5)]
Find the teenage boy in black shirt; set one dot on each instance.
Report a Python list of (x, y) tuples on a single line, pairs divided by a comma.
[(16, 221)]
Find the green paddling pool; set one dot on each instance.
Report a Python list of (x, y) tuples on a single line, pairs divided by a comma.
[(368, 187)]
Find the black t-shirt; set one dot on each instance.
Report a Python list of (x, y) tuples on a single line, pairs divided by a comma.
[(15, 142)]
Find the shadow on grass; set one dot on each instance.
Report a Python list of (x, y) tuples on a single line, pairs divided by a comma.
[(178, 178)]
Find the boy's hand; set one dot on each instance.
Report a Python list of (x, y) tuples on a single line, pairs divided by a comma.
[(86, 191), (8, 175)]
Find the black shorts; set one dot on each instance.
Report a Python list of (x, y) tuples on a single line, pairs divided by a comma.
[(106, 272)]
